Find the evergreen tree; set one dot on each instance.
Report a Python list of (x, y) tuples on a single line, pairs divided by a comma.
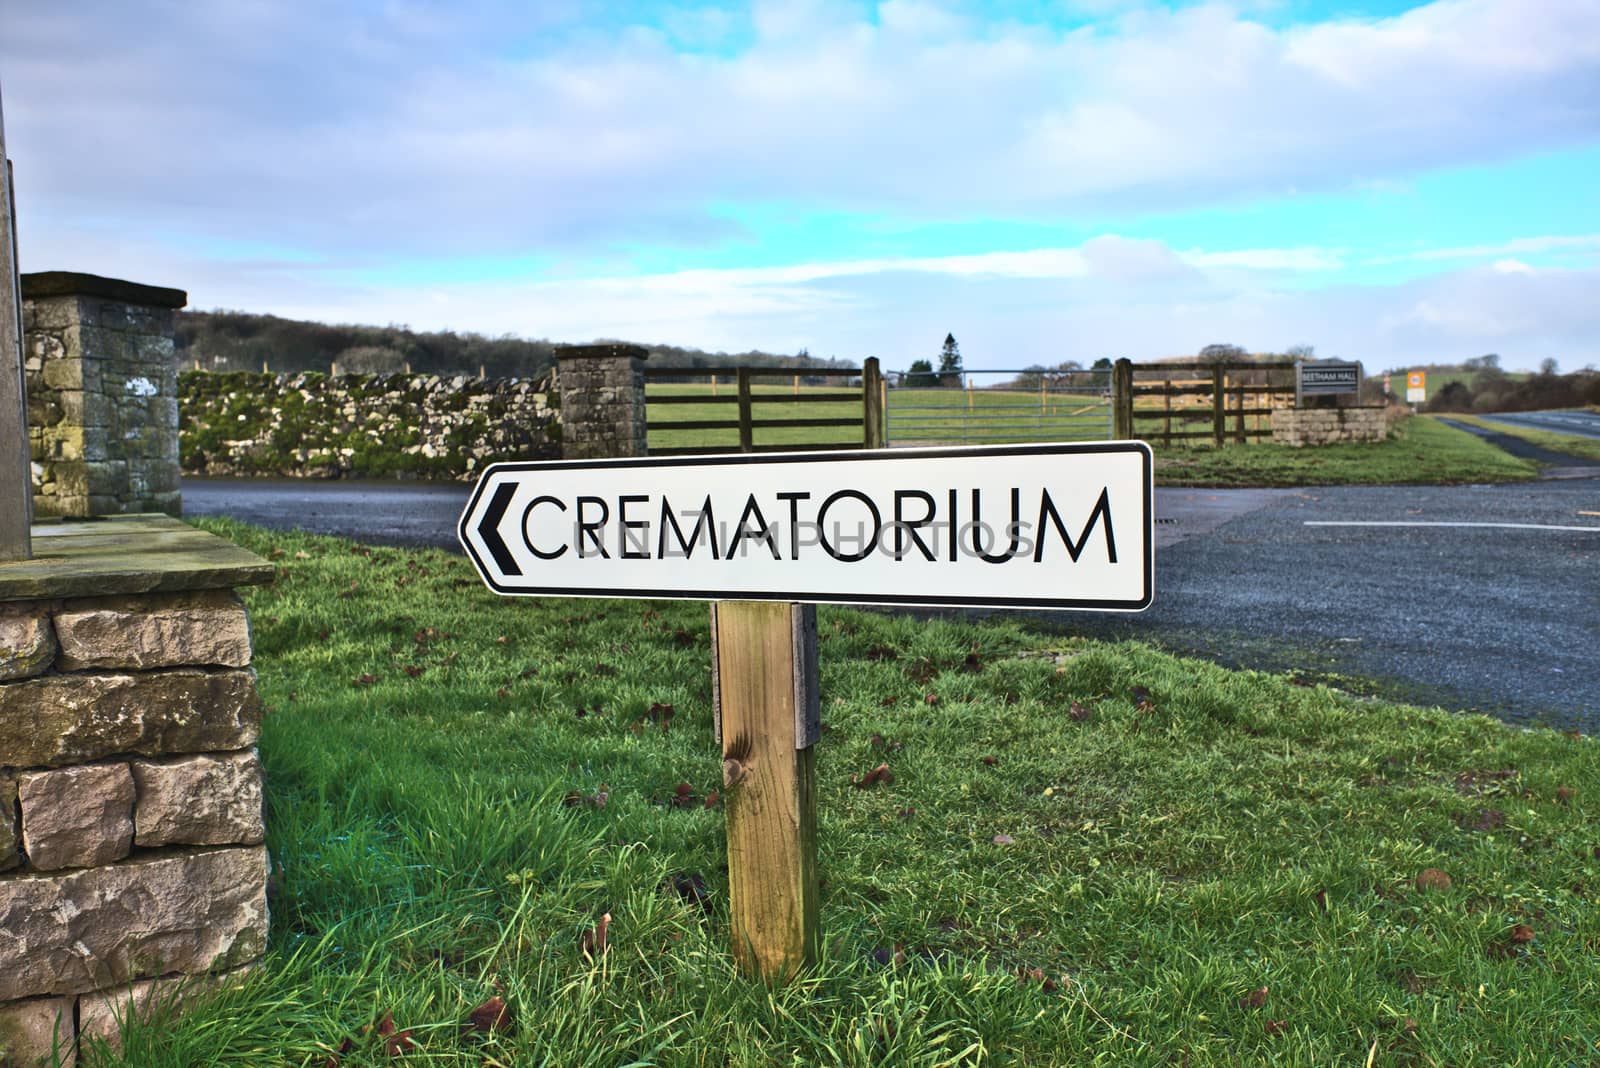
[(920, 375), (950, 362)]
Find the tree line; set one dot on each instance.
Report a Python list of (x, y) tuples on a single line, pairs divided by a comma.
[(247, 341), (1490, 389)]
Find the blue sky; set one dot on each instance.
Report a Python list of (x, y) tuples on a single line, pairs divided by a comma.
[(1058, 179)]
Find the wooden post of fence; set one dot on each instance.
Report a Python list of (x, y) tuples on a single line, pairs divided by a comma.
[(764, 663), (1219, 420), (1122, 399), (747, 438), (1238, 415), (872, 403), (797, 385), (713, 385), (16, 471), (1166, 409)]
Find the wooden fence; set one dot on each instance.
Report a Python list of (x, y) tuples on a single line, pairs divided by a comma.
[(1218, 397), (745, 420)]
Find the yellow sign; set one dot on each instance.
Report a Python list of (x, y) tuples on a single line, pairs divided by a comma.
[(1416, 380)]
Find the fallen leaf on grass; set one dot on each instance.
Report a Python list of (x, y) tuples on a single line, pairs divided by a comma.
[(712, 798), (683, 796), (277, 554), (1565, 794), (575, 798), (366, 680), (880, 774), (333, 1058), (990, 761), (878, 741), (1521, 934), (1141, 699), (493, 1015), (1026, 975), (931, 699), (413, 670), (1255, 999), (351, 592), (1432, 879), (882, 652), (1003, 839), (1078, 711), (593, 943), (502, 640), (1321, 898), (692, 889), (1277, 1027), (907, 813), (399, 1043)]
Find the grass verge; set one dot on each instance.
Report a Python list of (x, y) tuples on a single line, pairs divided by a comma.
[(1089, 853), (1571, 444), (1417, 451)]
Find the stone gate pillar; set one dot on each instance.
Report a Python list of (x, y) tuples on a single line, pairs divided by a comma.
[(102, 394), (602, 400)]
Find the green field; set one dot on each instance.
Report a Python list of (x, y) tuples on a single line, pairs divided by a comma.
[(1418, 450), (1089, 853), (915, 416)]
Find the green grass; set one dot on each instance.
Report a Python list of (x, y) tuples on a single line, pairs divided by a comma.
[(993, 416), (1418, 450), (1191, 836), (1571, 444), (772, 401)]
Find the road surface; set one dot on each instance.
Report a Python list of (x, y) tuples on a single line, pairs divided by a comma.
[(1566, 421), (1471, 597)]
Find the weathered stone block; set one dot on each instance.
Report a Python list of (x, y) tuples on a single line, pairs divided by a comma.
[(203, 800), (76, 817), (37, 1033), (73, 719), (8, 824), (88, 930), (27, 640), (100, 1015), (204, 627)]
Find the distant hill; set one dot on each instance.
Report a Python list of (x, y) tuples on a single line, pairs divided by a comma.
[(244, 341)]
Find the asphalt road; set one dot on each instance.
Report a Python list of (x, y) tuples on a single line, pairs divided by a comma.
[(1567, 421), (1501, 618)]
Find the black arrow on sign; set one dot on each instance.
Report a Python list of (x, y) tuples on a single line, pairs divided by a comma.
[(489, 532)]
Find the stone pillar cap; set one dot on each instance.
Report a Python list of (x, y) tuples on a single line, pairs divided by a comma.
[(596, 352), (73, 284)]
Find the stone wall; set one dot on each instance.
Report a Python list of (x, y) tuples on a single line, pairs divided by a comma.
[(1325, 426), (602, 400), (102, 394), (313, 425), (132, 864)]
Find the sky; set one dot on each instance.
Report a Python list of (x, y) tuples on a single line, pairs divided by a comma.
[(1048, 180)]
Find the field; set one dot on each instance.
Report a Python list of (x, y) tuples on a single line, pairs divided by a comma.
[(915, 416), (1088, 853), (1418, 450)]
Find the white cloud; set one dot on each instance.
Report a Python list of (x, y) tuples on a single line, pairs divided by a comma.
[(505, 129)]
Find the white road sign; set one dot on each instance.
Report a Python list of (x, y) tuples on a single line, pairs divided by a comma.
[(1004, 526)]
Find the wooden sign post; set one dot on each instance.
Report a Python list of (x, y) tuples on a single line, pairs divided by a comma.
[(767, 537), (16, 484), (764, 660)]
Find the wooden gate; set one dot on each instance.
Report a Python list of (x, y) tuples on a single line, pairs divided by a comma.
[(762, 409)]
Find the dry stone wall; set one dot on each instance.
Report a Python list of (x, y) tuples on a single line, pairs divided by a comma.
[(1326, 426), (313, 425), (132, 864)]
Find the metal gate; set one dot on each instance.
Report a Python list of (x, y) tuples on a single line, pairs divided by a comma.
[(975, 407)]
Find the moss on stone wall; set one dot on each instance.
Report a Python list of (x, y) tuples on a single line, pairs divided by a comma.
[(313, 425)]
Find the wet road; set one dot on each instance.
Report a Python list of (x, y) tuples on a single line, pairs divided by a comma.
[(1471, 597)]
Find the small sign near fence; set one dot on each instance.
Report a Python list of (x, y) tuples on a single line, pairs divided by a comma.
[(765, 537), (1417, 387), (1326, 379)]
